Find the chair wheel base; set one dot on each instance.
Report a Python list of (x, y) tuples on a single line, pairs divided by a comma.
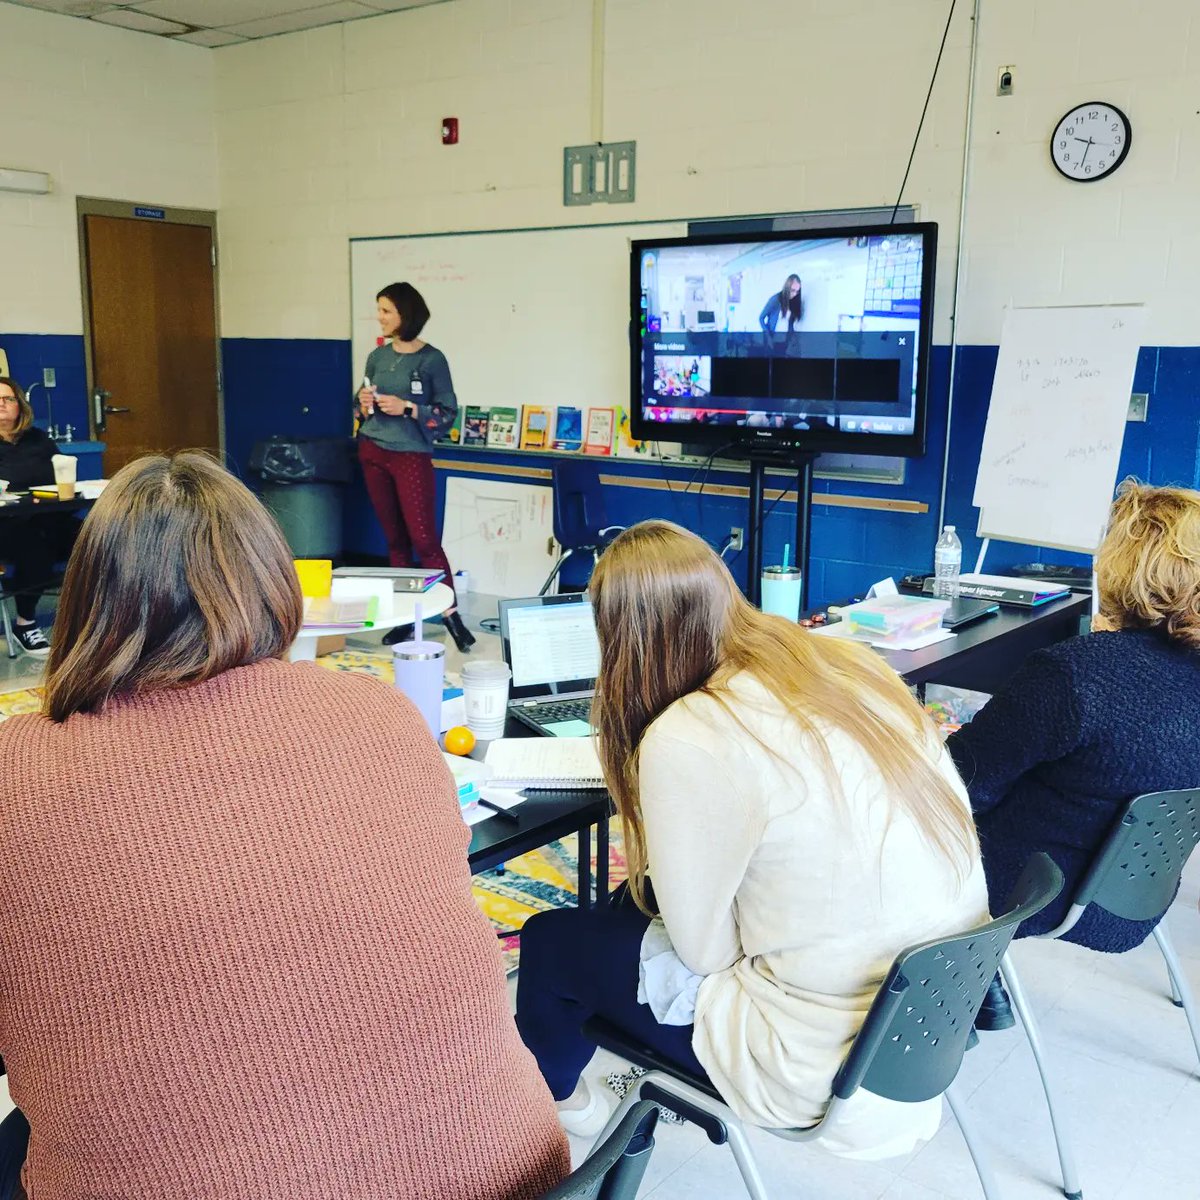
[(1074, 1195), (1177, 1003)]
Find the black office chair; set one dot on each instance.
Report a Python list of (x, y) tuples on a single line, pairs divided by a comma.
[(614, 1169), (909, 1048), (580, 523), (1135, 875)]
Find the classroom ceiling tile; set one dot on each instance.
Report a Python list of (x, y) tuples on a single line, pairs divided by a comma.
[(216, 14), (220, 22), (209, 37), (71, 8), (130, 18), (327, 14)]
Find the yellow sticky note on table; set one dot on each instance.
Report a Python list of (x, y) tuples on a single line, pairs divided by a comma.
[(315, 575)]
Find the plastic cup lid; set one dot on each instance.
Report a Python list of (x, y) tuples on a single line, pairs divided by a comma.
[(485, 672), (782, 572)]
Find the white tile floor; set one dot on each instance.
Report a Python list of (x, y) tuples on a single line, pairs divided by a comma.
[(1128, 1075)]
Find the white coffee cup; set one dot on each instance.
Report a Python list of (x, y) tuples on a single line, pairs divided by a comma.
[(485, 697), (64, 475)]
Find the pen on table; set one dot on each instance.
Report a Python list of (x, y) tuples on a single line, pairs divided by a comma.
[(500, 811)]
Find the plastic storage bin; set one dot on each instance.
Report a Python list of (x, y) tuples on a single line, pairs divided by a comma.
[(895, 616)]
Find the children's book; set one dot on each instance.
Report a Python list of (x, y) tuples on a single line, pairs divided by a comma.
[(599, 438), (627, 445), (568, 428), (503, 428), (535, 428), (475, 426)]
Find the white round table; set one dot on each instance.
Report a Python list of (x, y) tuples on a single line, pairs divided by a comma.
[(404, 611)]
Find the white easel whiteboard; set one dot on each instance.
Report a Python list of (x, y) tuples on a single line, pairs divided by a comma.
[(1056, 423), (501, 532)]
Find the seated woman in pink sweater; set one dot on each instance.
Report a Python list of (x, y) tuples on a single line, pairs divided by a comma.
[(239, 954)]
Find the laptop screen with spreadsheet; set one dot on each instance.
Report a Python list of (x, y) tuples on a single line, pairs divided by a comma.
[(550, 644)]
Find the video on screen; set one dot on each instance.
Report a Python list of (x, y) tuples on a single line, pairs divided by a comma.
[(806, 333)]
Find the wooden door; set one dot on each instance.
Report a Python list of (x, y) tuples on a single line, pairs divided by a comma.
[(152, 307)]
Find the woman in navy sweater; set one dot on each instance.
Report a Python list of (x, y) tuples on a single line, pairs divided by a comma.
[(1086, 725)]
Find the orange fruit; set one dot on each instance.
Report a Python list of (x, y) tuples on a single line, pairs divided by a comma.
[(460, 740)]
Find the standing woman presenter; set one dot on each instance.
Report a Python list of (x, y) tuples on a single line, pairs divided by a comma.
[(407, 401)]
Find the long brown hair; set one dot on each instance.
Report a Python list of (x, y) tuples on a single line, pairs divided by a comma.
[(789, 305), (25, 418), (178, 574), (1148, 566), (671, 623)]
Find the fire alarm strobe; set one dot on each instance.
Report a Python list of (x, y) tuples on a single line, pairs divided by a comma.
[(449, 131)]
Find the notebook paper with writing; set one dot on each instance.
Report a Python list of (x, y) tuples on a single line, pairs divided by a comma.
[(566, 763)]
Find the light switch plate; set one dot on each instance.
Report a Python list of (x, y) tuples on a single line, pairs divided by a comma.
[(1139, 404), (48, 377)]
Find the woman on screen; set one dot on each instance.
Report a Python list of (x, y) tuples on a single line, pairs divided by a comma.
[(239, 953), (802, 823), (785, 304), (1088, 724), (406, 402)]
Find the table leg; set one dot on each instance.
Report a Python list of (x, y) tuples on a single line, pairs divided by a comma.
[(585, 867), (602, 862)]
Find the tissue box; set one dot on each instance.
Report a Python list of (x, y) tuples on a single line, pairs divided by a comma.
[(895, 616)]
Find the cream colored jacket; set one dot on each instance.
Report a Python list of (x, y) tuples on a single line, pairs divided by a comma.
[(793, 902)]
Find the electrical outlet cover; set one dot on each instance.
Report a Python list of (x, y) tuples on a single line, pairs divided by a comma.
[(49, 376)]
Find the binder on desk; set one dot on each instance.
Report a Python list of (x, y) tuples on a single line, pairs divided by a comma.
[(569, 764), (1005, 589)]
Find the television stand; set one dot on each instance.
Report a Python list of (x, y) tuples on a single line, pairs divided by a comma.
[(801, 462)]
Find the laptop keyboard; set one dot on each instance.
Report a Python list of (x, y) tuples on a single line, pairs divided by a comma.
[(557, 710)]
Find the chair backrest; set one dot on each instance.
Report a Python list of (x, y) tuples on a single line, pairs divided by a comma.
[(614, 1170), (911, 1045), (578, 503), (1136, 874)]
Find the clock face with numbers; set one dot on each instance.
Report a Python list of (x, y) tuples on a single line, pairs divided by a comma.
[(1091, 141)]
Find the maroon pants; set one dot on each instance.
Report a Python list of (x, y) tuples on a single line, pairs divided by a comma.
[(400, 484)]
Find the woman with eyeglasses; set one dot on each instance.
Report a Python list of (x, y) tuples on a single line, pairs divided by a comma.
[(29, 545)]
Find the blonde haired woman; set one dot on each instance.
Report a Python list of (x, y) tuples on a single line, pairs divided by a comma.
[(1086, 725), (801, 823)]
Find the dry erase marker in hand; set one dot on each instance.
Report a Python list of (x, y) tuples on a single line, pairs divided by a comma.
[(369, 407)]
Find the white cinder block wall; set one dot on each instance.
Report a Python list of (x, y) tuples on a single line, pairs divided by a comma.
[(305, 140), (335, 134), (107, 113)]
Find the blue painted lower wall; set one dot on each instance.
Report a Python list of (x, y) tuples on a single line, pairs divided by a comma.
[(301, 386), (28, 354)]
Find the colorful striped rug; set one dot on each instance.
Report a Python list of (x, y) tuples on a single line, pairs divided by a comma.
[(537, 881)]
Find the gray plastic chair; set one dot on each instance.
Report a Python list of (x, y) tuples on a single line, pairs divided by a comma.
[(1135, 876), (909, 1048), (614, 1169)]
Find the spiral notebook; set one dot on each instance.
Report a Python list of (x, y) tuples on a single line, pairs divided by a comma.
[(559, 763)]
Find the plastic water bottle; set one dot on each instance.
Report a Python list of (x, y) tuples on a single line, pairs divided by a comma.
[(947, 564)]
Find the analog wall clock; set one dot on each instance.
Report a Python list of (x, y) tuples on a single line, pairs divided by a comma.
[(1091, 141)]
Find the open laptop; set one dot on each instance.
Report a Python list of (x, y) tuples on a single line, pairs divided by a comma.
[(550, 644)]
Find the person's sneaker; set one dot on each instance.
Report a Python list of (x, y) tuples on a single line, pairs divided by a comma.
[(32, 640), (585, 1121)]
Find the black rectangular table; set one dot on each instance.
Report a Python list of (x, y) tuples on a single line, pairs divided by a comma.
[(981, 656), (545, 816), (984, 655)]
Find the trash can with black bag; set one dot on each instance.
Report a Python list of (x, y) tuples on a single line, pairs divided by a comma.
[(303, 484)]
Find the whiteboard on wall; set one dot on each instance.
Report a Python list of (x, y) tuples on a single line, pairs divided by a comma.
[(502, 533), (538, 316), (1056, 422)]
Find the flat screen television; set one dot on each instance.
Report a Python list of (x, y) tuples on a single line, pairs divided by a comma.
[(804, 340)]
